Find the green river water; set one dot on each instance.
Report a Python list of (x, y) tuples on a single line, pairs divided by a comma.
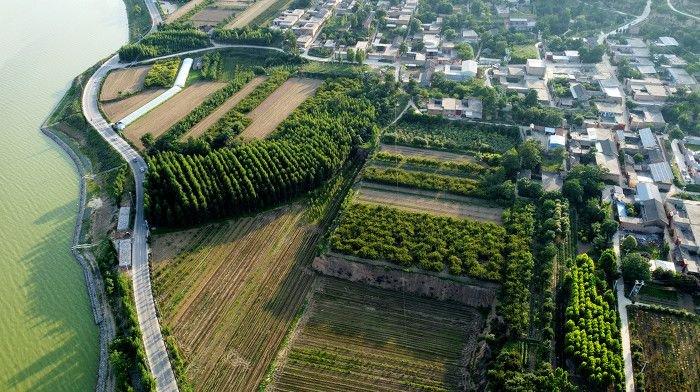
[(48, 340)]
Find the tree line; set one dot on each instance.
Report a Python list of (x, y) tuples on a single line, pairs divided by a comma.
[(170, 39), (257, 35), (592, 334), (307, 149)]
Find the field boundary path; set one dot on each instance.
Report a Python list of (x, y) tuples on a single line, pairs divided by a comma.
[(622, 303), (681, 12), (154, 346)]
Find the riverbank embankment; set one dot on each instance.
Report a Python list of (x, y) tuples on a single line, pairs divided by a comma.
[(93, 279)]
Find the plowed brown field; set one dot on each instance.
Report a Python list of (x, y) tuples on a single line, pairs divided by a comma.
[(116, 110), (280, 104), (230, 291), (418, 200), (123, 82), (425, 153), (211, 119), (160, 119), (354, 337)]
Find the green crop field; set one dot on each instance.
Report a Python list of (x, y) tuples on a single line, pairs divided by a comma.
[(458, 136), (359, 338), (670, 349)]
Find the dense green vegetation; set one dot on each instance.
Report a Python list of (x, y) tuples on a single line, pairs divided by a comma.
[(307, 149), (519, 222), (139, 18), (560, 87), (492, 188), (260, 36), (432, 243), (212, 65), (581, 19), (162, 73), (347, 29), (592, 333), (126, 352), (441, 134), (460, 168), (168, 40), (684, 110)]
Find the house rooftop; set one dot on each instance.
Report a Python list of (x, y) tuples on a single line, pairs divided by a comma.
[(647, 137)]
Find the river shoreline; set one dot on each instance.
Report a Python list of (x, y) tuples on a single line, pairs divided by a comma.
[(93, 278)]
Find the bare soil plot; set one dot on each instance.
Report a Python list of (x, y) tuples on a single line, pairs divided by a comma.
[(670, 347), (187, 7), (244, 18), (425, 153), (213, 117), (116, 110), (237, 5), (123, 82), (354, 337), (211, 16), (230, 292), (160, 119), (280, 104), (416, 200)]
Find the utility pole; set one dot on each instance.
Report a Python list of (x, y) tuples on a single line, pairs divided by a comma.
[(638, 284)]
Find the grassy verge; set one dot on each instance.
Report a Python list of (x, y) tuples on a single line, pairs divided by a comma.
[(139, 19), (126, 352), (177, 360)]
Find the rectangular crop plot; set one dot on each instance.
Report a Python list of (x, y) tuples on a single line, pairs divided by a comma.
[(230, 291), (210, 16), (244, 18), (187, 7), (211, 119), (160, 119), (280, 104), (670, 347), (122, 82), (118, 109), (354, 337), (455, 136), (425, 153), (435, 203)]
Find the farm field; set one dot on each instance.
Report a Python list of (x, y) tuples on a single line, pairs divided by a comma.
[(187, 7), (434, 203), (230, 291), (211, 16), (354, 337), (455, 136), (116, 110), (123, 82), (670, 348), (425, 153), (249, 14), (207, 122), (280, 104), (160, 119)]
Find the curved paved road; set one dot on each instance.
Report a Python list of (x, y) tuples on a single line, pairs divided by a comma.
[(156, 352), (681, 12), (641, 18)]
